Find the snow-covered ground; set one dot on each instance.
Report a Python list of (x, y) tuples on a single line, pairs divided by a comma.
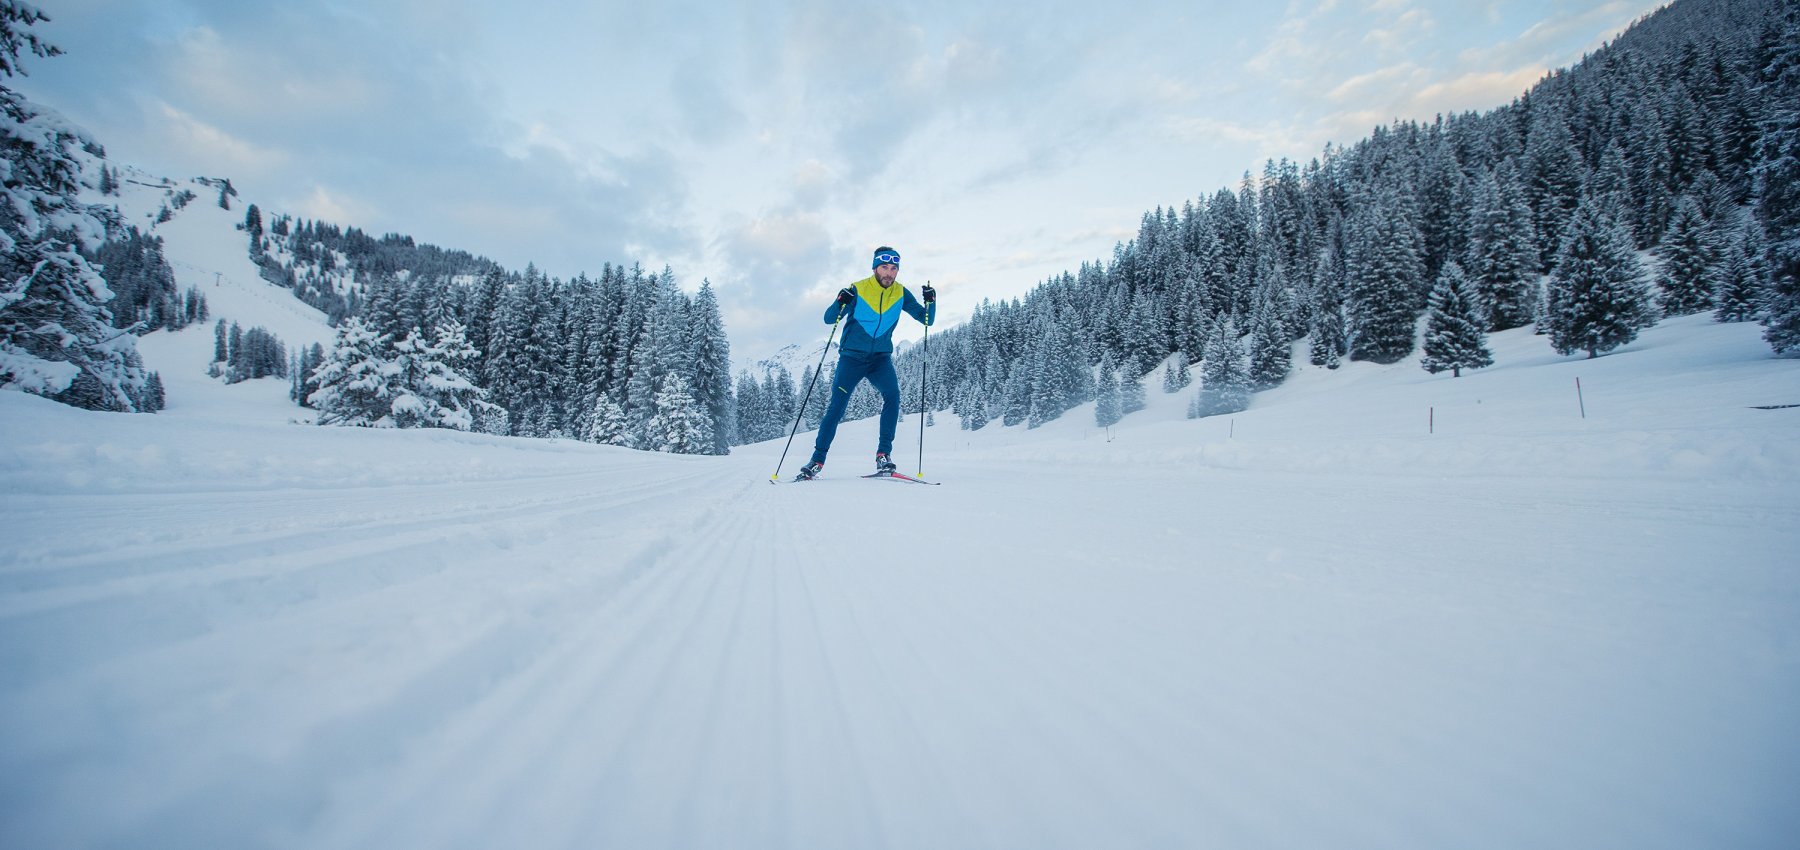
[(1380, 609)]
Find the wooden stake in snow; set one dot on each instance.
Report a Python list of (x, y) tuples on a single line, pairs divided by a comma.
[(1579, 398)]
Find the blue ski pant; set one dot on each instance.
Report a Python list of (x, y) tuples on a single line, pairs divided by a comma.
[(852, 368)]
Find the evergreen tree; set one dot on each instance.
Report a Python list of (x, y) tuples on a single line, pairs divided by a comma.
[(1743, 277), (1454, 338), (1444, 201), (1778, 189), (1329, 343), (679, 425), (1106, 397), (1384, 278), (1017, 398), (608, 426), (1176, 376), (1503, 255), (155, 399), (253, 225), (1689, 262), (357, 383), (710, 356), (784, 403), (1271, 354), (1131, 395), (428, 393), (1597, 299), (56, 333), (432, 388), (1224, 376), (1059, 379), (1553, 175), (221, 343), (752, 411)]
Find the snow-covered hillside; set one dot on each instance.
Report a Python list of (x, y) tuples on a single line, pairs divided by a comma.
[(1314, 624)]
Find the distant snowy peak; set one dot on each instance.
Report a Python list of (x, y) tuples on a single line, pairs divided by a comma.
[(794, 357)]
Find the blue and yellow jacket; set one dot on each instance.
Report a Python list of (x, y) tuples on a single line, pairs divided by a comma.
[(875, 313)]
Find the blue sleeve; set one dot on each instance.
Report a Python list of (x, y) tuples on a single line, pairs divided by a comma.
[(831, 311), (926, 314)]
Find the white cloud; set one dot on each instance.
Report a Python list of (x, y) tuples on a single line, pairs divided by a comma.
[(325, 205), (1479, 90), (1364, 87), (221, 153)]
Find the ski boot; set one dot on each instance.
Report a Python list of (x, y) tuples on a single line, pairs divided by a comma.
[(883, 464), (809, 471)]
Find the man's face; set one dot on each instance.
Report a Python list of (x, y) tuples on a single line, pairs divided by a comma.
[(885, 273)]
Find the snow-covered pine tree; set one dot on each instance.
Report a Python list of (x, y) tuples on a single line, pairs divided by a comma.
[(1058, 374), (1689, 261), (155, 399), (1444, 201), (1611, 181), (1598, 299), (1106, 396), (432, 390), (659, 351), (357, 383), (1016, 396), (783, 404), (1503, 254), (608, 422), (1146, 334), (1778, 189), (1454, 338), (1743, 277), (1224, 376), (751, 410), (56, 333), (1328, 343), (711, 354), (1384, 280), (1177, 376), (1131, 394), (1271, 352), (679, 425), (1552, 173)]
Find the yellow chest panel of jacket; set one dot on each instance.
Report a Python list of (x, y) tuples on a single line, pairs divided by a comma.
[(878, 308)]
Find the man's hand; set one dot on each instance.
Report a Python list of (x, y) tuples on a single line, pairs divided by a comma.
[(846, 297), (929, 293)]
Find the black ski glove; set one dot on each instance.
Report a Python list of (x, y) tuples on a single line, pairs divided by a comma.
[(929, 293), (846, 297)]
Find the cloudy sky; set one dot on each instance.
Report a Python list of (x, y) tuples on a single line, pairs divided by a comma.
[(770, 146)]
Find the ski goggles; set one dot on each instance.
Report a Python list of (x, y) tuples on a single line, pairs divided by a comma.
[(886, 257)]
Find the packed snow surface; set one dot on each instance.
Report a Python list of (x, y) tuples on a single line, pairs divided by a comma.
[(1380, 609)]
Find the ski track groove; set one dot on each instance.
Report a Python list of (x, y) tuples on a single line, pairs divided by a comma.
[(93, 569), (539, 722), (844, 726), (161, 608), (926, 759), (466, 672)]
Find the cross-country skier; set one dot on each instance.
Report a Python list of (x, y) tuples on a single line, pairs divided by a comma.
[(873, 306)]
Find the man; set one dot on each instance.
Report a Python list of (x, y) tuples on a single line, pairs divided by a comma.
[(873, 306)]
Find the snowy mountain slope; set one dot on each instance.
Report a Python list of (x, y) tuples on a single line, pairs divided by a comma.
[(206, 251), (1318, 625)]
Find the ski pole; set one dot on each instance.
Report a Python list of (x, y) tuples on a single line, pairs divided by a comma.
[(775, 477), (924, 357)]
